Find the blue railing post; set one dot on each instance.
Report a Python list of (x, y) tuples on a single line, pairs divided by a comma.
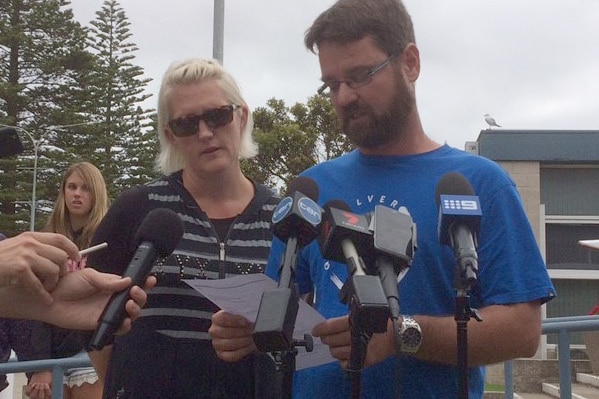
[(57, 381), (565, 369), (508, 372)]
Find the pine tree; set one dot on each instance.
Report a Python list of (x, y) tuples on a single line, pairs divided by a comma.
[(124, 143), (42, 58)]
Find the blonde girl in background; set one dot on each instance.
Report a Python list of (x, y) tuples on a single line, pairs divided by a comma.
[(81, 204)]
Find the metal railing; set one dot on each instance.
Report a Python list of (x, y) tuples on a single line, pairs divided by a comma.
[(58, 367), (562, 326)]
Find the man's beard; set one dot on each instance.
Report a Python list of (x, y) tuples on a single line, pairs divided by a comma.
[(375, 130)]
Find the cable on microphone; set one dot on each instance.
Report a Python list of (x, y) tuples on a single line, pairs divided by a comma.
[(157, 236)]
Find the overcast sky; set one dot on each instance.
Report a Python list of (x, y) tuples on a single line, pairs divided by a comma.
[(531, 64)]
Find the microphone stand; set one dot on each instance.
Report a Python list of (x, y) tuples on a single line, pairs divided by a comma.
[(362, 293), (275, 323), (368, 314), (394, 233), (465, 278)]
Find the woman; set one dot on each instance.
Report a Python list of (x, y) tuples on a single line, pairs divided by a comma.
[(205, 129), (81, 204)]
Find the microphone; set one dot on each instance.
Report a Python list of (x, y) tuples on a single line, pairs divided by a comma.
[(10, 144), (395, 243), (298, 214), (340, 232), (157, 236), (459, 222), (295, 220), (344, 235)]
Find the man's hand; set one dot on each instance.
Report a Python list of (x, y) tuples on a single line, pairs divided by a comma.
[(231, 336), (35, 262), (336, 333)]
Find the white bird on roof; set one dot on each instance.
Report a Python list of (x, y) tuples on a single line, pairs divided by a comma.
[(490, 121)]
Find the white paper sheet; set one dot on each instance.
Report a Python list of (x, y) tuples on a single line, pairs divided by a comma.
[(241, 295)]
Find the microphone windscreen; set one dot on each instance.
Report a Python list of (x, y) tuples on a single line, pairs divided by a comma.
[(163, 228), (304, 185), (453, 184)]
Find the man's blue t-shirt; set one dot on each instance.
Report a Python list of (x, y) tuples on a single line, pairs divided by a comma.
[(511, 269)]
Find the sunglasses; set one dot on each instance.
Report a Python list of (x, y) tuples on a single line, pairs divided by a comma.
[(214, 118)]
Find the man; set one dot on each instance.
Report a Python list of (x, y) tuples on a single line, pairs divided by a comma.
[(370, 63), (34, 284)]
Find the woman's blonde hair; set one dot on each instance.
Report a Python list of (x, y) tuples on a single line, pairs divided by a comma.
[(187, 72), (60, 221)]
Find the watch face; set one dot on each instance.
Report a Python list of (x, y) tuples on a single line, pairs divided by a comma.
[(411, 337)]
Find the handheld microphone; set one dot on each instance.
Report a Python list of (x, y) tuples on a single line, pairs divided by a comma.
[(10, 144), (295, 220), (344, 236), (459, 221), (157, 236), (395, 243)]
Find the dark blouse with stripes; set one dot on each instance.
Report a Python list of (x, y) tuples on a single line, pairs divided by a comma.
[(168, 353), (173, 308)]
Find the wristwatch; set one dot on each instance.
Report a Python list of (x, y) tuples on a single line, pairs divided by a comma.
[(410, 335)]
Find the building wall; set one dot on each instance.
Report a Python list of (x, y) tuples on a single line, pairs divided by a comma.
[(527, 176)]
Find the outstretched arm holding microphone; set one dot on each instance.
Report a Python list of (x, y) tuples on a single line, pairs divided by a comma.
[(34, 283)]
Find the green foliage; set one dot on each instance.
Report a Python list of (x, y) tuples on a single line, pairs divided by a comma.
[(42, 56), (75, 94), (494, 388), (291, 139), (123, 146)]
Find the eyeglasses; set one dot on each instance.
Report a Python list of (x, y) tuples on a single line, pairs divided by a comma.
[(214, 118), (357, 80)]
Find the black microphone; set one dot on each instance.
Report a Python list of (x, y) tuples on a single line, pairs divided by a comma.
[(10, 144), (342, 233), (298, 214), (394, 234), (157, 236), (345, 237), (296, 220), (459, 221)]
